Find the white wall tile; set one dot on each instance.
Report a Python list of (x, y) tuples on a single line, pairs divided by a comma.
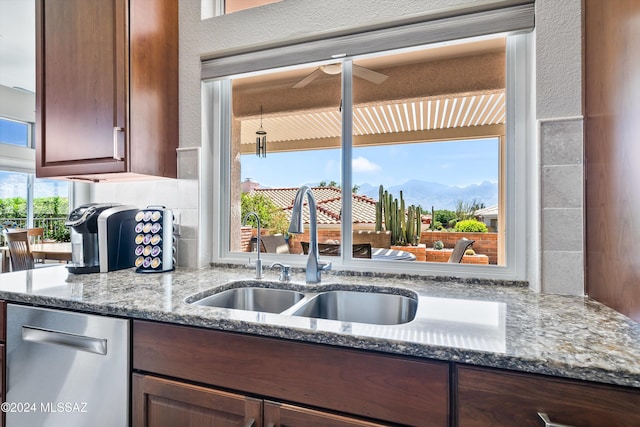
[(563, 273), (562, 186), (562, 229), (561, 142)]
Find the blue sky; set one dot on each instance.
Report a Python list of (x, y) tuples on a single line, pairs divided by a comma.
[(459, 163), (14, 184)]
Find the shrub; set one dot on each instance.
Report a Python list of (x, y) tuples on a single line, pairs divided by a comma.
[(471, 226), (469, 252), (443, 216), (61, 234), (271, 216)]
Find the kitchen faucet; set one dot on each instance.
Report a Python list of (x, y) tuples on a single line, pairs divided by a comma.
[(258, 261), (314, 266)]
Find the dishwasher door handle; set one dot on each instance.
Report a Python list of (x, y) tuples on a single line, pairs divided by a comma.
[(77, 342)]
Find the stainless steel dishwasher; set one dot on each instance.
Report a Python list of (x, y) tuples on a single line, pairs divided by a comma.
[(66, 369)]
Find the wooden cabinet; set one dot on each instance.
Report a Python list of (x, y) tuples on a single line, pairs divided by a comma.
[(106, 88), (353, 384), (489, 397), (159, 402), (611, 128)]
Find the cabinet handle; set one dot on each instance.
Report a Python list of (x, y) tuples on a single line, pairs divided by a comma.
[(116, 151), (548, 422), (77, 342), (251, 422)]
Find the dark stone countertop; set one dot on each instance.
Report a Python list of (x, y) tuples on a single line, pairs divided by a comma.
[(487, 324)]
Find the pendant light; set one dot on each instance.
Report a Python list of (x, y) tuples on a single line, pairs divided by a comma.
[(261, 139)]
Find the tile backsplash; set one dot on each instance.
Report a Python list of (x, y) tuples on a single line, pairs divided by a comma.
[(562, 204)]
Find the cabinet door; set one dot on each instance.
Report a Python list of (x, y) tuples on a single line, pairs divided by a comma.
[(366, 384), (487, 397), (81, 86), (283, 415), (159, 402)]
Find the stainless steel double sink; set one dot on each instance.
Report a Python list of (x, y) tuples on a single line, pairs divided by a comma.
[(380, 306)]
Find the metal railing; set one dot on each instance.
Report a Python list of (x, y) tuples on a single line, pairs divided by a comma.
[(54, 228)]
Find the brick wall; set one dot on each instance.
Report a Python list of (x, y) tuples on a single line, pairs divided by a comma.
[(443, 256), (325, 235), (485, 243), (245, 237)]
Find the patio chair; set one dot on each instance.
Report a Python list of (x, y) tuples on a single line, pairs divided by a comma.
[(459, 249), (275, 244), (36, 236), (19, 251), (360, 250)]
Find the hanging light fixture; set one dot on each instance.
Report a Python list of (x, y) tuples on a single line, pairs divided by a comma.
[(261, 139)]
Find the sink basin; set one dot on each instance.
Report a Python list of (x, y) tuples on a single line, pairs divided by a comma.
[(362, 307), (268, 300)]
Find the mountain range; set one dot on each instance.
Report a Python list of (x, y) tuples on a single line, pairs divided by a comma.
[(440, 196)]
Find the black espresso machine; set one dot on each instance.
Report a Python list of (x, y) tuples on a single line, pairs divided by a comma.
[(102, 236)]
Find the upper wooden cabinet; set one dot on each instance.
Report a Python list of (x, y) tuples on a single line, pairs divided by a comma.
[(106, 88)]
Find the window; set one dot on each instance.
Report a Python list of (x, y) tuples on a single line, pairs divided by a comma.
[(434, 125), (25, 205), (13, 199), (24, 200), (14, 133), (211, 8), (231, 6)]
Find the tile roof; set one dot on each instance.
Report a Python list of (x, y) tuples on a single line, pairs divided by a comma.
[(329, 203)]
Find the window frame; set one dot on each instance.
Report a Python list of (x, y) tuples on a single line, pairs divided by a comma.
[(519, 166)]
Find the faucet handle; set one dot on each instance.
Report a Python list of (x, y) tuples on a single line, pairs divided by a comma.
[(284, 271), (324, 265)]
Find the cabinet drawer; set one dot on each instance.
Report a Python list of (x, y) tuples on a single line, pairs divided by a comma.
[(488, 397), (389, 388)]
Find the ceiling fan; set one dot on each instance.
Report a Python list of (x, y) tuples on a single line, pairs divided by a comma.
[(332, 69)]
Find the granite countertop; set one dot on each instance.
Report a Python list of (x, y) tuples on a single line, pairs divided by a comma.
[(486, 324)]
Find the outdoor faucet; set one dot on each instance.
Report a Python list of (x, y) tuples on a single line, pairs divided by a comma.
[(314, 266), (258, 261)]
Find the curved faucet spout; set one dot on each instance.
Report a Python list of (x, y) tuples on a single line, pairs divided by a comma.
[(259, 243), (314, 266)]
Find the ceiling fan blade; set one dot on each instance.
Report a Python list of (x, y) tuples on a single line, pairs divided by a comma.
[(311, 77), (370, 75)]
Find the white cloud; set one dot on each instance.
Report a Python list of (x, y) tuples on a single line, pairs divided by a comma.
[(362, 164)]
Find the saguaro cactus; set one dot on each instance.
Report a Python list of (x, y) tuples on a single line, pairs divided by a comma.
[(405, 224), (379, 209)]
